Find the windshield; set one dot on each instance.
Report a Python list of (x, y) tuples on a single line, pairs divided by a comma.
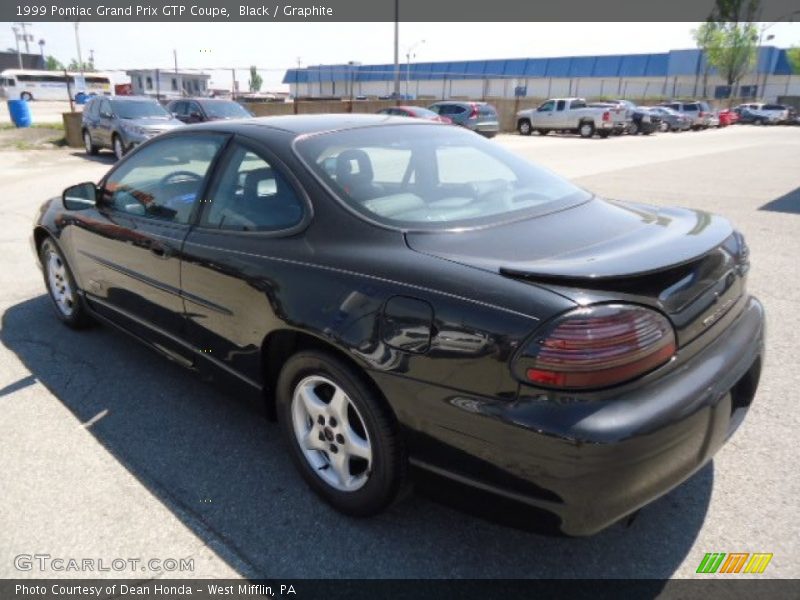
[(139, 110), (225, 110), (432, 177)]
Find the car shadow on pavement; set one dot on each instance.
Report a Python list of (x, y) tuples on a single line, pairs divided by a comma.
[(788, 203), (102, 157), (222, 469)]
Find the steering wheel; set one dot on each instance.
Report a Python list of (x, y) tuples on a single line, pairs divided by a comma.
[(178, 175)]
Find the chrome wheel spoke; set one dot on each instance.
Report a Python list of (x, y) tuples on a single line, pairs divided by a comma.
[(331, 432)]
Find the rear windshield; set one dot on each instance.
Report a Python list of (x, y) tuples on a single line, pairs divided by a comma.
[(422, 113), (139, 110), (774, 107), (432, 177), (226, 110)]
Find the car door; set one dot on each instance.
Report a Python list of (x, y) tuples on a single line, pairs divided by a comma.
[(249, 225), (101, 133), (127, 249), (544, 116)]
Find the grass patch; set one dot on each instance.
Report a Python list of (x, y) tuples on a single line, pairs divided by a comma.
[(58, 126)]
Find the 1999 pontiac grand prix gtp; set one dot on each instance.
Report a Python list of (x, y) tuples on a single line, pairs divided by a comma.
[(406, 292)]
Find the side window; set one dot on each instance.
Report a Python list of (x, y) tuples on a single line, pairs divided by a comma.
[(561, 104), (193, 108), (179, 108), (250, 195), (105, 108), (162, 180), (577, 104), (546, 107)]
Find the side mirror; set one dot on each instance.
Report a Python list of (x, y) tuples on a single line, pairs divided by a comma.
[(80, 196)]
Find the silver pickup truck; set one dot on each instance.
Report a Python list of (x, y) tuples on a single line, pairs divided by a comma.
[(566, 114)]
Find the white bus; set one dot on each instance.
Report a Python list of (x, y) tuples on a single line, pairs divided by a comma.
[(29, 84)]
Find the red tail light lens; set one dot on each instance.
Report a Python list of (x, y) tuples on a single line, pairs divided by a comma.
[(596, 347), (474, 113), (606, 116)]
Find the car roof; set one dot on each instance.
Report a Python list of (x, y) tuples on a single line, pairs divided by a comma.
[(131, 98), (310, 124)]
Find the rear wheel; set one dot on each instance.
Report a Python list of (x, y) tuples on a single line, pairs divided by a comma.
[(663, 127), (633, 128), (61, 287), (524, 127), (343, 438), (26, 96), (604, 134), (586, 130)]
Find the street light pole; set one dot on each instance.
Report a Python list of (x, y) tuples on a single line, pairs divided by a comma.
[(16, 39), (396, 48), (78, 46), (409, 55)]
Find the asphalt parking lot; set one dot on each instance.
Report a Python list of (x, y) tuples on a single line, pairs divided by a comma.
[(110, 451)]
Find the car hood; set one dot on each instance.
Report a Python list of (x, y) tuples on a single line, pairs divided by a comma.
[(596, 240), (153, 123)]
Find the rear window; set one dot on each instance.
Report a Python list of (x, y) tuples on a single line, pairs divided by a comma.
[(691, 107), (774, 107), (432, 177)]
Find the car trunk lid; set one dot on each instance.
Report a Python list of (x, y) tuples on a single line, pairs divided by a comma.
[(686, 263)]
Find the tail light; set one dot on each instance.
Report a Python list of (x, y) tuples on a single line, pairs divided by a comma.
[(606, 116), (474, 113), (595, 347)]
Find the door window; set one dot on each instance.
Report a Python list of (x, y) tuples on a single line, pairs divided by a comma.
[(179, 108), (162, 180), (561, 105), (546, 107), (105, 108), (251, 195)]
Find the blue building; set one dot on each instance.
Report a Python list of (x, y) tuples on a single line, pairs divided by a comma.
[(677, 73)]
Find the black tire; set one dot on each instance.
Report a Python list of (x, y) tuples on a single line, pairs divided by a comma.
[(78, 317), (27, 96), (386, 475), (117, 146), (633, 128), (604, 134), (543, 131), (524, 127), (88, 144), (586, 129)]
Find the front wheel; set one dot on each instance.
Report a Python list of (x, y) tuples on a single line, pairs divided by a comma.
[(343, 438), (524, 127), (61, 287), (586, 130), (119, 148), (663, 127), (633, 128), (26, 96), (88, 144)]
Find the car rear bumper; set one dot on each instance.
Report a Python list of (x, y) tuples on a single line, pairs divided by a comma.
[(591, 463)]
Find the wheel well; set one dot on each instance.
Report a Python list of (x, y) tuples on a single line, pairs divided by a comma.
[(523, 120), (40, 234), (279, 346)]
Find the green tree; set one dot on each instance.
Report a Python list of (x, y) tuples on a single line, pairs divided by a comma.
[(255, 80), (75, 66), (729, 39), (53, 64), (794, 58), (704, 37)]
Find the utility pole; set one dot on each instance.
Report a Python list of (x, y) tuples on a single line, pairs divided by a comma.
[(175, 58), (16, 39), (78, 46), (397, 49), (23, 27)]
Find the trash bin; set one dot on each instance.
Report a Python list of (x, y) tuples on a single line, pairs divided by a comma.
[(20, 113)]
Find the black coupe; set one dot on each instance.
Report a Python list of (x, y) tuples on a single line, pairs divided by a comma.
[(407, 293)]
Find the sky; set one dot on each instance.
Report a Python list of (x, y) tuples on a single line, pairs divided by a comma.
[(274, 47)]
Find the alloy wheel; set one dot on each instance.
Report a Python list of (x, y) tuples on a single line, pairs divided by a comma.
[(331, 433), (119, 150), (59, 285)]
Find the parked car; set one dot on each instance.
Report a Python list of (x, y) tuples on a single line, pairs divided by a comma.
[(697, 110), (566, 114), (480, 117), (771, 114), (713, 119), (671, 120), (123, 122), (199, 110), (401, 291), (727, 117), (416, 112)]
